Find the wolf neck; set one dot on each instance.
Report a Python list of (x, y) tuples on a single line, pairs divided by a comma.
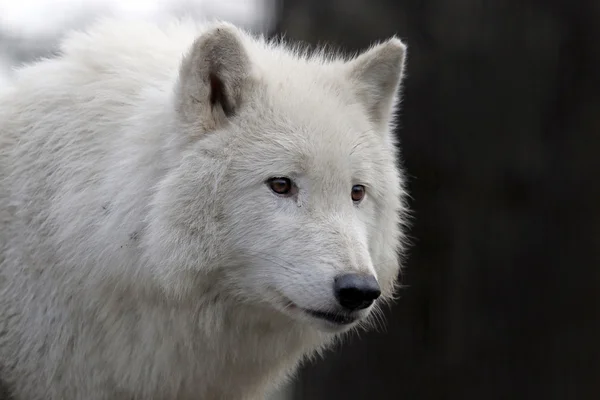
[(195, 345)]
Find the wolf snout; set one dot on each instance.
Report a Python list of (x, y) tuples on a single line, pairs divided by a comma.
[(356, 291)]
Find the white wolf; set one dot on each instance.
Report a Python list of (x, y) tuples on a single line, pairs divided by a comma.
[(187, 211)]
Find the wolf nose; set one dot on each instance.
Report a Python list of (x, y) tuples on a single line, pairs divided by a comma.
[(356, 291)]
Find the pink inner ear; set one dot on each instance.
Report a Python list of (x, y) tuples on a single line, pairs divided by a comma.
[(218, 97)]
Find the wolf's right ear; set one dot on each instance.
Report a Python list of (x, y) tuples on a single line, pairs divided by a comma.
[(212, 77)]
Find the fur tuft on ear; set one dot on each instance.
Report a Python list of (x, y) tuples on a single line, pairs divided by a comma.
[(376, 75), (212, 77)]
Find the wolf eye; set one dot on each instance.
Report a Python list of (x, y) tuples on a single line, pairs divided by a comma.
[(282, 186), (358, 193)]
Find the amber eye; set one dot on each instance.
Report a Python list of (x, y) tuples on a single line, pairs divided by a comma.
[(358, 193), (282, 186)]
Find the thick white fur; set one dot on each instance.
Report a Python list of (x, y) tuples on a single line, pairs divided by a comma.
[(142, 256)]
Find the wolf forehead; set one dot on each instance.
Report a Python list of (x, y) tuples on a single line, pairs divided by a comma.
[(308, 132)]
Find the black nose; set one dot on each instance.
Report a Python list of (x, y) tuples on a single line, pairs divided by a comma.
[(356, 291)]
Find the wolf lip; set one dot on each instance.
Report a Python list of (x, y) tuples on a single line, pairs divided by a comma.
[(334, 318)]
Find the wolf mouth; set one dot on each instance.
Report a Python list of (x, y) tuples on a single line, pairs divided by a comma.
[(334, 318)]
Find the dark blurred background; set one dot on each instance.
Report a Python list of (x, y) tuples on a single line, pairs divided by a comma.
[(500, 133)]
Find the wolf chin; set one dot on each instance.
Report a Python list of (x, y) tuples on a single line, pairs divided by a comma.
[(188, 211)]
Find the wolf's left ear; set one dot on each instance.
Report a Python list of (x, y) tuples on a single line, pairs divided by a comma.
[(213, 76), (376, 75)]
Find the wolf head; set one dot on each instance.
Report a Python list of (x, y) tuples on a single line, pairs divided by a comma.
[(286, 193)]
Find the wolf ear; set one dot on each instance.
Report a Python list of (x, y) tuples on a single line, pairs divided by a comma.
[(212, 77), (376, 75)]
